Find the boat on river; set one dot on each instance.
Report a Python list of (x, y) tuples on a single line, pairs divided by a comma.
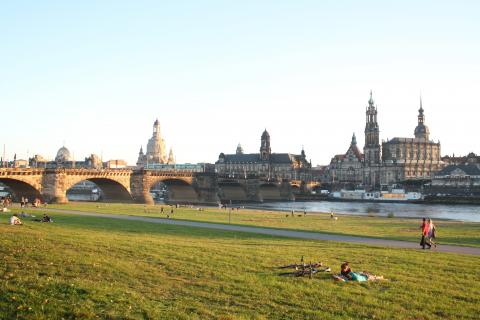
[(394, 195)]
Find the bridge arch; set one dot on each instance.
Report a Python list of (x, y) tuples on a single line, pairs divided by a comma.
[(269, 191), (23, 188), (114, 188), (232, 190), (178, 189), (111, 189)]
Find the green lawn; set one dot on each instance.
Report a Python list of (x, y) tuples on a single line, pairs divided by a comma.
[(86, 267), (448, 232)]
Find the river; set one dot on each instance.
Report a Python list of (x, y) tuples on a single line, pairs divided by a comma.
[(469, 213)]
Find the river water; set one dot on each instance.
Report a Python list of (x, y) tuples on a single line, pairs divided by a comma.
[(469, 213)]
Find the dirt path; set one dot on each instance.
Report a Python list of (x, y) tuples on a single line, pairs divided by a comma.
[(279, 232)]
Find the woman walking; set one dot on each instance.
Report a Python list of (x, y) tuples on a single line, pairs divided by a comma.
[(425, 234)]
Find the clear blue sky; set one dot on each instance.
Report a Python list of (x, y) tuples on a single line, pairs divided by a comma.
[(96, 74)]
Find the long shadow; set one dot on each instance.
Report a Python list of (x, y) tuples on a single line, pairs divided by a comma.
[(142, 227)]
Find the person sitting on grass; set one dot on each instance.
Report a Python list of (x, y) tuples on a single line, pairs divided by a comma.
[(15, 221), (46, 218)]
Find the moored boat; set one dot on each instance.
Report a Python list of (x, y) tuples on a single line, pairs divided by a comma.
[(395, 195)]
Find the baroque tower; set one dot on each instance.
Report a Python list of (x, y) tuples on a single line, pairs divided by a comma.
[(265, 149), (372, 135), (421, 131)]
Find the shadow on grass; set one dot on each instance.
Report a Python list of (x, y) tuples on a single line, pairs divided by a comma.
[(142, 227)]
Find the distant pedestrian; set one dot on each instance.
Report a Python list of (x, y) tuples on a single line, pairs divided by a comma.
[(171, 210), (304, 212), (422, 240), (293, 213), (425, 234), (432, 230), (161, 210)]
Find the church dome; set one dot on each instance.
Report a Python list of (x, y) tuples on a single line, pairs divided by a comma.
[(421, 131), (63, 155)]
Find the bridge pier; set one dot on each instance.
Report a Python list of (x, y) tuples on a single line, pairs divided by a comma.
[(53, 190), (206, 187), (253, 190), (140, 188), (286, 192)]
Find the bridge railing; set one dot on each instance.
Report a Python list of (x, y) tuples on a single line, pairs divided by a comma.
[(20, 171)]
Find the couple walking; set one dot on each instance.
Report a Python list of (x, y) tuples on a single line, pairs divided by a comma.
[(428, 233)]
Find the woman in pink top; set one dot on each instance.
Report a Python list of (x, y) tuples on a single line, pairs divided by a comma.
[(426, 233)]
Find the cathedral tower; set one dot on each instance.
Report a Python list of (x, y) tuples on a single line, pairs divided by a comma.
[(421, 131), (372, 135), (265, 149)]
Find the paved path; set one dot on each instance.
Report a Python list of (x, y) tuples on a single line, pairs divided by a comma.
[(278, 232)]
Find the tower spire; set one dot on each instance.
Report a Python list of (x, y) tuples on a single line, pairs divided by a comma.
[(421, 131), (370, 101), (372, 134)]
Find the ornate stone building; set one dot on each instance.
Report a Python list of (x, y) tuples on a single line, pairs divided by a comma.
[(347, 169), (394, 161), (471, 158), (264, 164), (411, 158), (64, 159), (156, 150)]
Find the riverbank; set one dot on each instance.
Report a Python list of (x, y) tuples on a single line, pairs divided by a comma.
[(89, 267), (395, 228)]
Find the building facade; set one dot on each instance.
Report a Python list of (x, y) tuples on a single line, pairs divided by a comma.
[(275, 166), (65, 159), (394, 161), (347, 169), (411, 158)]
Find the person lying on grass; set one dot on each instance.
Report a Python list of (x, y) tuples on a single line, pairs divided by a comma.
[(346, 274), (46, 218), (14, 220)]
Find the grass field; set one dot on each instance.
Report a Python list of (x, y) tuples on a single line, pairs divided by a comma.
[(87, 267), (448, 232)]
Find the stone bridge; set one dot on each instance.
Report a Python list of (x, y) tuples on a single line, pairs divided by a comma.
[(127, 185), (124, 185), (255, 189)]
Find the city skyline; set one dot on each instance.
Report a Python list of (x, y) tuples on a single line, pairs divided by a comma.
[(217, 75)]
